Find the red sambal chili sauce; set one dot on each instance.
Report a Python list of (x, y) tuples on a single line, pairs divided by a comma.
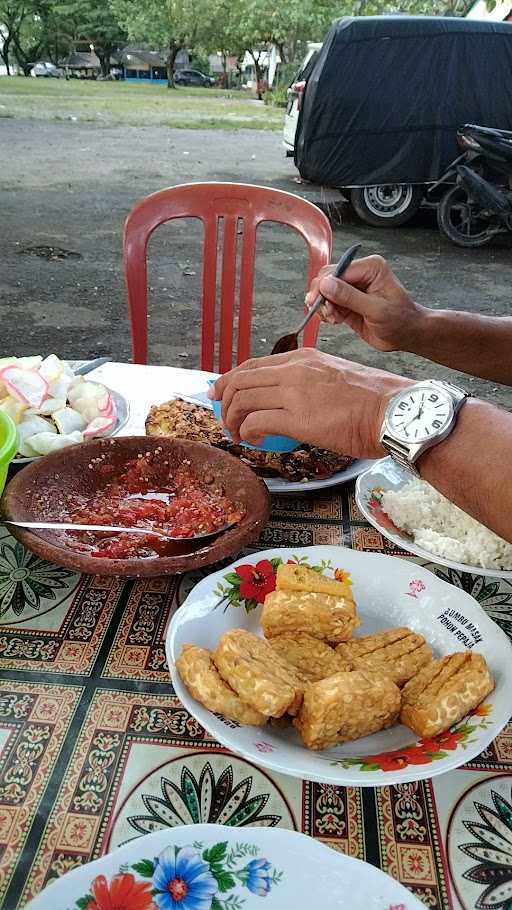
[(148, 495)]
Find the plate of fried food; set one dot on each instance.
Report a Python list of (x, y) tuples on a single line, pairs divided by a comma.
[(341, 667), (305, 469)]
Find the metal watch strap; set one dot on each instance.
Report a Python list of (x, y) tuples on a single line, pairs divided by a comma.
[(399, 454)]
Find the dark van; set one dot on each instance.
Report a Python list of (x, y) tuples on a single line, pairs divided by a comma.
[(384, 99)]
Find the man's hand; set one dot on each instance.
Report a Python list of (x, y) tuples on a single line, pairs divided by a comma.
[(314, 397), (372, 302)]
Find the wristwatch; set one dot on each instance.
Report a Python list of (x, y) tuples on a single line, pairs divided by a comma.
[(419, 417)]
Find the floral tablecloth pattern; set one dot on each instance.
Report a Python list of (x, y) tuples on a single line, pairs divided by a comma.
[(95, 747)]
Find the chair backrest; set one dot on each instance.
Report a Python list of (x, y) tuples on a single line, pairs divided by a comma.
[(239, 208)]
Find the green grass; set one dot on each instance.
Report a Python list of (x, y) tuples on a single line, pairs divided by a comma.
[(120, 103)]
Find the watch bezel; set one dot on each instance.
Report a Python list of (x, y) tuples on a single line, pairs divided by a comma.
[(389, 429)]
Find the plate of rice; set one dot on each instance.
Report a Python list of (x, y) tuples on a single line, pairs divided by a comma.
[(415, 517)]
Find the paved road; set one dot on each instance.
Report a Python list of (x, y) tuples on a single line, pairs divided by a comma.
[(70, 185)]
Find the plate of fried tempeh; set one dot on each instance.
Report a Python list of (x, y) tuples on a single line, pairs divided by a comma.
[(342, 667)]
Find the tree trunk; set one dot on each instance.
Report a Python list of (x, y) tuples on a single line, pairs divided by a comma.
[(104, 54), (259, 77), (4, 54), (225, 70), (173, 53)]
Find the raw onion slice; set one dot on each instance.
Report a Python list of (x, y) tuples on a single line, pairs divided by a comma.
[(67, 420), (99, 427), (44, 443), (26, 385)]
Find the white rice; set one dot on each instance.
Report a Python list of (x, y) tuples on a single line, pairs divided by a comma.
[(442, 528)]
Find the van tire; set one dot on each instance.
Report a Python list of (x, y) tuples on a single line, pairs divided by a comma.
[(387, 205)]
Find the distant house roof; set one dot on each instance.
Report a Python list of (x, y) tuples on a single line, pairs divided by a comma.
[(81, 61), (132, 55)]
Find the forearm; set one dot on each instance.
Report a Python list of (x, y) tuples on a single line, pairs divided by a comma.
[(479, 345), (472, 466)]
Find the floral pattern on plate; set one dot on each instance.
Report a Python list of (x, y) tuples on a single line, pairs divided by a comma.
[(191, 877), (424, 751), (250, 583)]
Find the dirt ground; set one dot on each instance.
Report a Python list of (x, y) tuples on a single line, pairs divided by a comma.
[(69, 186)]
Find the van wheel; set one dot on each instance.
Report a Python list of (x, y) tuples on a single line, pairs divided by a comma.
[(388, 204)]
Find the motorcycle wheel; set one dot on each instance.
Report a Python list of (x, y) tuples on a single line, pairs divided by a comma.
[(387, 205), (458, 220)]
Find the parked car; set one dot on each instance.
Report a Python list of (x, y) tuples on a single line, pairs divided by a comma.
[(294, 97), (47, 71), (382, 100), (193, 77)]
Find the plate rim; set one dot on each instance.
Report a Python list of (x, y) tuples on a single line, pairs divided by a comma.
[(410, 546), (277, 834), (344, 777), (117, 396)]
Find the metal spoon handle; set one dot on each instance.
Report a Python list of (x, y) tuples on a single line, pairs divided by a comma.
[(92, 365), (63, 526), (343, 264)]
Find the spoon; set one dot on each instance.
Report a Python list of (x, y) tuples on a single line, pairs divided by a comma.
[(67, 526), (290, 342)]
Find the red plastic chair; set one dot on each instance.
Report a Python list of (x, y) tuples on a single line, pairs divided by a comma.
[(237, 206)]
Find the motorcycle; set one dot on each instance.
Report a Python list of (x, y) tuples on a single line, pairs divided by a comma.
[(478, 202)]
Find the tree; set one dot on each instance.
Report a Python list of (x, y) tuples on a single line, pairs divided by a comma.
[(92, 22), (167, 24)]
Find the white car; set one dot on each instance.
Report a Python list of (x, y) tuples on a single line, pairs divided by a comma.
[(295, 93), (47, 71)]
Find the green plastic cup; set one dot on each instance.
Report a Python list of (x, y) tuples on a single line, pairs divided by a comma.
[(8, 446)]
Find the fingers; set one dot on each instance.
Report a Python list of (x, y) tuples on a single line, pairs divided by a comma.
[(342, 294), (243, 376), (248, 401), (268, 423)]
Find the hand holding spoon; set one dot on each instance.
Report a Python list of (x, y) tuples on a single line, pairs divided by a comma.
[(290, 342)]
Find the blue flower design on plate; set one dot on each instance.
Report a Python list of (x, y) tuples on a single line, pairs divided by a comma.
[(259, 879), (183, 881)]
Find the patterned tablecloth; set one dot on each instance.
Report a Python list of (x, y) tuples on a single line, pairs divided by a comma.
[(96, 748)]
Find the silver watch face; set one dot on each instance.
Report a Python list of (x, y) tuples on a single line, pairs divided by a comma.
[(419, 413)]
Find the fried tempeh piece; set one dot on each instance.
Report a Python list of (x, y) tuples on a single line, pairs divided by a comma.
[(312, 658), (200, 675), (260, 676), (399, 652), (292, 577), (444, 692), (347, 706), (319, 615)]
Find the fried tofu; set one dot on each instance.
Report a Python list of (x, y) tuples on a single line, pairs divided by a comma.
[(322, 616), (444, 691), (258, 674), (399, 652), (200, 676), (292, 577), (347, 706), (312, 658)]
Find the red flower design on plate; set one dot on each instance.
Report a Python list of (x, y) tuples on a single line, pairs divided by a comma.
[(257, 581), (446, 740), (124, 893), (401, 758)]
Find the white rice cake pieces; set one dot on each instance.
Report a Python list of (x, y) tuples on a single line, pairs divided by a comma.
[(258, 674), (444, 692), (347, 706), (200, 676)]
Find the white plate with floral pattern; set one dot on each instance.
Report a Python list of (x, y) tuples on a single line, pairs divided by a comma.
[(389, 592), (212, 867), (384, 475)]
